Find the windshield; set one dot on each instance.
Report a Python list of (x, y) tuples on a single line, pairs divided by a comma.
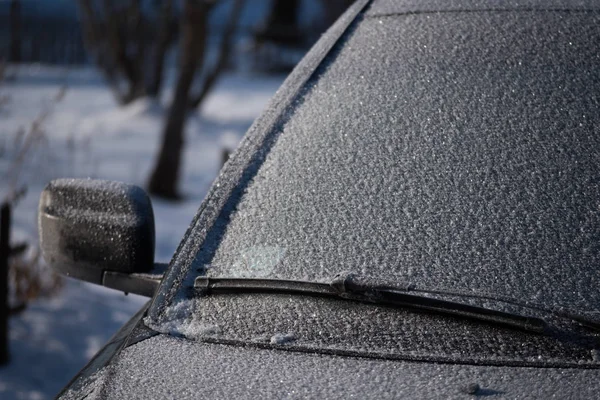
[(422, 152)]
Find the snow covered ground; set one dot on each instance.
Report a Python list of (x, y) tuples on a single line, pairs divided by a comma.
[(87, 135)]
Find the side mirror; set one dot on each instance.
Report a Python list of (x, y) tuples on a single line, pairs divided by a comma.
[(101, 232)]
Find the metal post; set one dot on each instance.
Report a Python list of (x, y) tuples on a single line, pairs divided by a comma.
[(4, 255)]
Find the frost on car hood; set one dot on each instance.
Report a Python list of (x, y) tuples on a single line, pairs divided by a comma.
[(165, 367)]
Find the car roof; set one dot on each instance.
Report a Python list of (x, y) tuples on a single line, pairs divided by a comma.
[(394, 7)]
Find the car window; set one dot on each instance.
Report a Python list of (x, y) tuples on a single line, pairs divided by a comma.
[(451, 150)]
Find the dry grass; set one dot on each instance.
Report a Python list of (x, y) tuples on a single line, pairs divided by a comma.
[(28, 138), (30, 279)]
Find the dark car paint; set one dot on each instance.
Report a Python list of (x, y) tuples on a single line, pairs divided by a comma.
[(132, 332), (167, 367)]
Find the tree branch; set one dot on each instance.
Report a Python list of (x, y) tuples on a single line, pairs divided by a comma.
[(116, 43), (166, 34), (223, 57), (94, 36)]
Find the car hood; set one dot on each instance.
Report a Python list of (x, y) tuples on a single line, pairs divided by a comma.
[(167, 367)]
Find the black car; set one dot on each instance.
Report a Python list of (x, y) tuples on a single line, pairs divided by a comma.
[(415, 215)]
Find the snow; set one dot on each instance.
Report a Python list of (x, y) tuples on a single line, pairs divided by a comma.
[(87, 135), (283, 338)]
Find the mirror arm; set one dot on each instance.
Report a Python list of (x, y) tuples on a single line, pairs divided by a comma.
[(144, 284)]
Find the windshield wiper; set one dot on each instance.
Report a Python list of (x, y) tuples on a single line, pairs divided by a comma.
[(350, 286)]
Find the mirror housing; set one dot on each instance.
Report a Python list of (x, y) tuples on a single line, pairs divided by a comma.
[(101, 232)]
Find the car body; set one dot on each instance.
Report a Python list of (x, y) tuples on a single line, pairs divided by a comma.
[(448, 152)]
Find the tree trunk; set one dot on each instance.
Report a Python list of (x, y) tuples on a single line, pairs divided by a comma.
[(93, 39), (164, 178), (139, 39), (4, 253), (165, 36), (118, 43), (109, 37), (223, 57)]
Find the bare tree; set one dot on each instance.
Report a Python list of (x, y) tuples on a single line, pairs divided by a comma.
[(122, 42), (193, 42), (194, 31), (166, 34), (224, 53), (130, 48)]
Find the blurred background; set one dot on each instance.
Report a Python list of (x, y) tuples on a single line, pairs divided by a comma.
[(156, 93)]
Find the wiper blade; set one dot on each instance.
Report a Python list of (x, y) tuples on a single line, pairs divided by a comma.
[(349, 286)]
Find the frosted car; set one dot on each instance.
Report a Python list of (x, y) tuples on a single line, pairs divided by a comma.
[(415, 215)]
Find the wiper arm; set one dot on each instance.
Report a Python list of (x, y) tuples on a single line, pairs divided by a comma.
[(349, 286)]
